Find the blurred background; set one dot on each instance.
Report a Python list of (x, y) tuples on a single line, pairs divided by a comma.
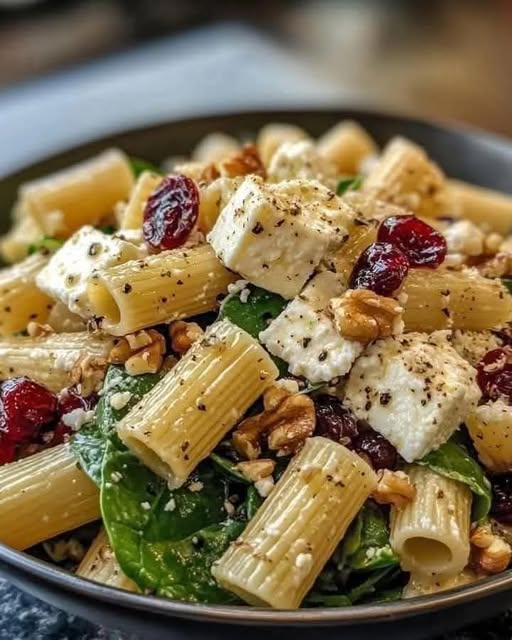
[(75, 69)]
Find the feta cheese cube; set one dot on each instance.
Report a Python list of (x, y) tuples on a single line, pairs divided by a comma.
[(276, 235), (68, 270), (304, 336), (413, 390), (301, 160)]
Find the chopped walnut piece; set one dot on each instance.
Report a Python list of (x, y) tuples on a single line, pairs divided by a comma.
[(140, 352), (36, 330), (497, 266), (255, 470), (184, 334), (361, 314), (88, 374), (209, 174), (490, 554), (244, 162), (287, 424), (393, 487)]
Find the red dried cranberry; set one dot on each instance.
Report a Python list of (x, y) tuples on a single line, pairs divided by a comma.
[(501, 507), (334, 421), (59, 435), (26, 407), (7, 450), (381, 453), (70, 399), (381, 268), (494, 373), (421, 243), (171, 212)]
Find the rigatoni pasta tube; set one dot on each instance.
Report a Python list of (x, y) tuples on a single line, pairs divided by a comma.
[(133, 214), (483, 206), (454, 299), (422, 585), (490, 428), (50, 359), (21, 301), (44, 495), (161, 288), (83, 194), (100, 565), (431, 533), (15, 243), (286, 545), (346, 144), (184, 417)]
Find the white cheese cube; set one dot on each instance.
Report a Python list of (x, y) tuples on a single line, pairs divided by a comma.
[(412, 390), (275, 235), (301, 160), (66, 274), (304, 336)]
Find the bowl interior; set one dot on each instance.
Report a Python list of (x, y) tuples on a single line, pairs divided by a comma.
[(467, 154)]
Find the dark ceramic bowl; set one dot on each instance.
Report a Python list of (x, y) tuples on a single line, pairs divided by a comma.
[(467, 154)]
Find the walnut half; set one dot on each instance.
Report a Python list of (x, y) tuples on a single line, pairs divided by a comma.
[(184, 334), (393, 487), (140, 352), (361, 314), (490, 553)]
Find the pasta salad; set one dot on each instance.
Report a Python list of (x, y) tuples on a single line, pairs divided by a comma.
[(276, 373)]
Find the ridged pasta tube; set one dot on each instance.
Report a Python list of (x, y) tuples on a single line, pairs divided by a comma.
[(44, 495), (50, 359), (431, 533), (161, 288), (454, 299), (490, 428), (285, 546), (184, 417), (21, 301), (485, 207), (404, 175), (100, 565), (15, 243), (273, 135), (346, 144), (64, 201), (422, 586), (132, 215)]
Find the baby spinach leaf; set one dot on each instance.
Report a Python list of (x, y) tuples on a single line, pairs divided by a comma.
[(256, 312), (328, 599), (139, 165), (253, 502), (366, 546), (46, 245), (508, 283), (370, 585), (228, 468), (89, 444), (453, 461), (349, 184)]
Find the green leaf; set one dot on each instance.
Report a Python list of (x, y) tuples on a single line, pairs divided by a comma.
[(256, 312), (46, 245), (328, 599), (508, 283), (366, 546), (349, 184), (253, 502), (228, 468), (369, 586), (108, 229), (139, 165), (453, 461)]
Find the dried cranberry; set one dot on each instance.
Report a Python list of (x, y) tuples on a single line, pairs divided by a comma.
[(70, 399), (334, 421), (26, 407), (421, 243), (501, 507), (7, 450), (494, 373), (171, 212), (59, 435), (381, 453), (381, 267)]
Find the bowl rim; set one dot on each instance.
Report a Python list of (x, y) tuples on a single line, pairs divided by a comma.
[(242, 615)]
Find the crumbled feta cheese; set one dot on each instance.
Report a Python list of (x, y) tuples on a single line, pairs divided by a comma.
[(115, 476), (473, 345), (76, 419), (171, 505), (304, 336), (300, 159), (120, 399), (68, 271), (414, 389), (264, 486), (464, 237), (288, 384), (195, 486), (236, 287), (244, 295), (146, 506), (229, 508), (276, 235)]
